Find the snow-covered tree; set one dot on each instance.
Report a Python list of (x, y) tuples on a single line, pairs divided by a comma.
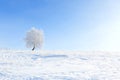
[(34, 38)]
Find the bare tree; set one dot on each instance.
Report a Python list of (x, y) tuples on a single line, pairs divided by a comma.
[(34, 38)]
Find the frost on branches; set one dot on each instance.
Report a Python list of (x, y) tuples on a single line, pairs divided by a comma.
[(34, 38)]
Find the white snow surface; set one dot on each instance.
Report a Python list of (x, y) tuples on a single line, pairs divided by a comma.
[(59, 65)]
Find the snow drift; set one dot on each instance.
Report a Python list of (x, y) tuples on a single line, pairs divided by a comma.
[(59, 65)]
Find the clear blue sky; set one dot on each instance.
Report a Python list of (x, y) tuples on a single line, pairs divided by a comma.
[(67, 24)]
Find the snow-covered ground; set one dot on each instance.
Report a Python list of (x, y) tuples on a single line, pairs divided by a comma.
[(59, 65)]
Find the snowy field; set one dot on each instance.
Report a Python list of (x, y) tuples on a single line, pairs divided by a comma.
[(59, 65)]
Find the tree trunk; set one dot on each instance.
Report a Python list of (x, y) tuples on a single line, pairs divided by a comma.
[(33, 48)]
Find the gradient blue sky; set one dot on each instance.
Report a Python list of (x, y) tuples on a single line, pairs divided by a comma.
[(68, 24)]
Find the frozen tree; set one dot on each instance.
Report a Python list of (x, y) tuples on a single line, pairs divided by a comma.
[(34, 38)]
